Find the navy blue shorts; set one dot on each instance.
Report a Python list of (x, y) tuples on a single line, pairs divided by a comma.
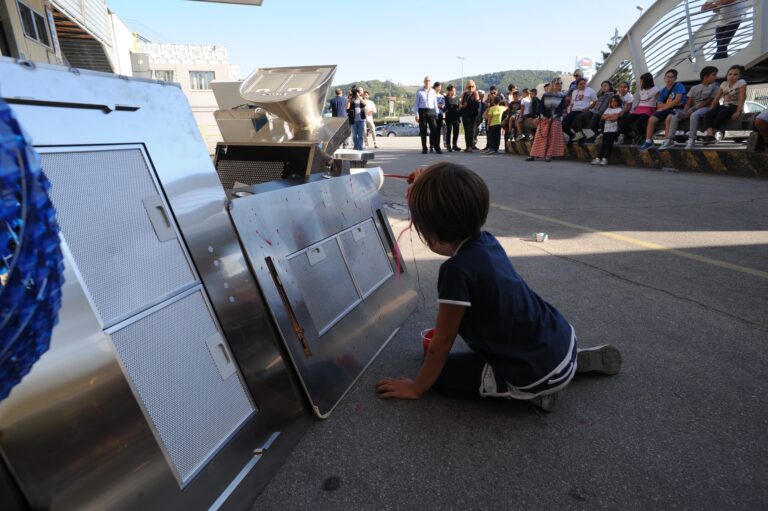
[(663, 114)]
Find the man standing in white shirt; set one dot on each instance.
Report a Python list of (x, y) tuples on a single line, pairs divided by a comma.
[(425, 110), (370, 127)]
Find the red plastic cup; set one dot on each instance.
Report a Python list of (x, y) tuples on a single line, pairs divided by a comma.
[(426, 338)]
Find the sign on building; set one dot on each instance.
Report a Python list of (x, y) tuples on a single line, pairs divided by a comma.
[(587, 65)]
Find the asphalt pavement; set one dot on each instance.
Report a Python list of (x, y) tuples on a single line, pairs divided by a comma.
[(672, 268)]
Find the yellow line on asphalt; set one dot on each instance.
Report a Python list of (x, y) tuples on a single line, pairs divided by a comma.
[(639, 243)]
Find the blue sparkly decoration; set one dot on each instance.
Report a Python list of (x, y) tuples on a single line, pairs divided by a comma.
[(31, 265)]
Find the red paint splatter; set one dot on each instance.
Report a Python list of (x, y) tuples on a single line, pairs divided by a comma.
[(262, 237)]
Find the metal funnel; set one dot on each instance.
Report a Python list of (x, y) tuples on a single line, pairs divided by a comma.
[(295, 94)]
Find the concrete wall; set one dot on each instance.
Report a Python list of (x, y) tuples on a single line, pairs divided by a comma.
[(28, 47), (184, 58)]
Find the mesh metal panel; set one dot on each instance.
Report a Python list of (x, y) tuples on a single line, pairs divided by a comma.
[(98, 196), (324, 283), (248, 172), (167, 360), (365, 256)]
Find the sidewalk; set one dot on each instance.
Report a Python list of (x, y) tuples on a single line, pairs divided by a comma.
[(671, 268)]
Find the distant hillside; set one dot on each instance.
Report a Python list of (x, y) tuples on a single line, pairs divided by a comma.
[(380, 90), (521, 77)]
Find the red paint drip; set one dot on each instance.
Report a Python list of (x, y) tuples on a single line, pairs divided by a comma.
[(265, 239)]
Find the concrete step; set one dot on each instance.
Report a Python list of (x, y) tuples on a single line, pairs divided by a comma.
[(727, 161)]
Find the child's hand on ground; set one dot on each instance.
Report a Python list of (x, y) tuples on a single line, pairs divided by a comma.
[(400, 388)]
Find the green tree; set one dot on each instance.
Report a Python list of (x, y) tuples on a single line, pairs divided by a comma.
[(614, 42), (623, 72)]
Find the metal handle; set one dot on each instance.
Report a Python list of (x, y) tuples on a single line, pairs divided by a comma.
[(158, 217), (220, 355)]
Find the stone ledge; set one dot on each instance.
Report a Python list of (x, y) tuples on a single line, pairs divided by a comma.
[(733, 162)]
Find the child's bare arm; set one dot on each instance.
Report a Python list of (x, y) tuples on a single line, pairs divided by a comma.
[(447, 328)]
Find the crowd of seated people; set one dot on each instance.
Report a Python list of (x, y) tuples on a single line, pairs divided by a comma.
[(612, 115), (707, 107)]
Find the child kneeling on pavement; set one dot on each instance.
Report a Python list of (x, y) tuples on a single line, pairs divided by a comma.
[(521, 346)]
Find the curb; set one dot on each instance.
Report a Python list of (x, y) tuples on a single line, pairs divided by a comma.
[(733, 162)]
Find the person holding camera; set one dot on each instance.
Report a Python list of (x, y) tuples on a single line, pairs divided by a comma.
[(425, 110), (356, 116)]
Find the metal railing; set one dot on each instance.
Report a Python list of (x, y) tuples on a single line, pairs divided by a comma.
[(689, 32), (681, 34)]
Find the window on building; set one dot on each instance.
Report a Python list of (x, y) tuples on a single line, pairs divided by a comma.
[(201, 80), (5, 47), (35, 25), (164, 75)]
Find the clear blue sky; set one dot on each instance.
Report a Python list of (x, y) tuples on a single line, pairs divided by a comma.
[(388, 40)]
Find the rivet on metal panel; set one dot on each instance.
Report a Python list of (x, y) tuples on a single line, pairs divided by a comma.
[(23, 62)]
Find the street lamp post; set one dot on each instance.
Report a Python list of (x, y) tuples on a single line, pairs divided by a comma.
[(462, 59)]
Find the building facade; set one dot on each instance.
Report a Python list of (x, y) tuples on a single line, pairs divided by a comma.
[(193, 67), (86, 34), (77, 33)]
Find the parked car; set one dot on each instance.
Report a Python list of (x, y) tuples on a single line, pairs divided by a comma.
[(402, 129), (381, 131)]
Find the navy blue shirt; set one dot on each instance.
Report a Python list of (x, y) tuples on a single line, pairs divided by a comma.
[(520, 335), (339, 106)]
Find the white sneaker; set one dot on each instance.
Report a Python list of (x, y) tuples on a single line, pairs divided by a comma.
[(596, 161), (605, 359), (578, 136), (550, 402), (690, 144), (666, 145), (604, 162)]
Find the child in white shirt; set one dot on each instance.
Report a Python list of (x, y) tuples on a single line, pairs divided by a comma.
[(733, 92), (610, 130)]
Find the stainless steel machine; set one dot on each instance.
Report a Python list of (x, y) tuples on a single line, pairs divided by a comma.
[(209, 308)]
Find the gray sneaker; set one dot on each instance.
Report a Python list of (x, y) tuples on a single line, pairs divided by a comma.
[(666, 145), (549, 402), (605, 359)]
